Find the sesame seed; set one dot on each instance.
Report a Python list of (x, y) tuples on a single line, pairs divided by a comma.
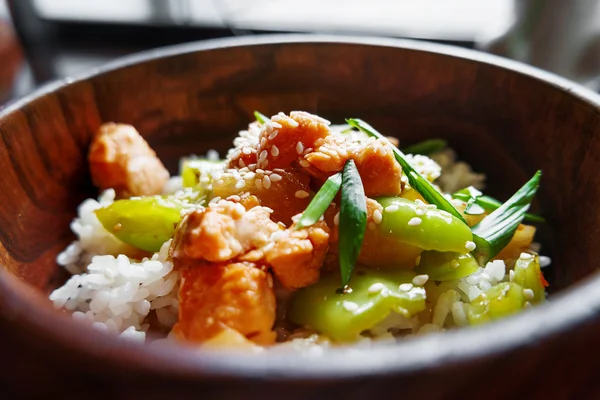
[(276, 125), (279, 170), (240, 184), (377, 216), (301, 194), (268, 127), (420, 280), (415, 221), (431, 206), (528, 293), (392, 208), (275, 177), (376, 288), (304, 163), (214, 200), (420, 212), (241, 163), (350, 305), (249, 175), (545, 261), (528, 305), (266, 182), (511, 275), (251, 167), (258, 184), (220, 182), (273, 135), (263, 142), (470, 245), (246, 150), (260, 171), (263, 156), (405, 287), (526, 256), (455, 263), (336, 219), (274, 151), (293, 123), (299, 148)]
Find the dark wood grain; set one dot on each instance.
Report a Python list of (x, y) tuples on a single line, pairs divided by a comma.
[(507, 120)]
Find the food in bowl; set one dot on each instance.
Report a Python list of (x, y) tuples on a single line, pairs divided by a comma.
[(304, 233)]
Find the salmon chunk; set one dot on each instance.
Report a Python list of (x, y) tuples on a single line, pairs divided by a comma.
[(121, 159), (222, 232), (216, 297), (297, 255)]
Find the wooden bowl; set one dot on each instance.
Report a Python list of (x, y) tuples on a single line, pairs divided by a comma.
[(505, 118)]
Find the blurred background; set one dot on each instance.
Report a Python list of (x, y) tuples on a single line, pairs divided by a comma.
[(41, 40)]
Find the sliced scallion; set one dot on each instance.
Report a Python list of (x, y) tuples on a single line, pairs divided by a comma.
[(353, 220), (261, 117), (496, 230), (321, 201), (426, 147), (490, 204), (420, 184)]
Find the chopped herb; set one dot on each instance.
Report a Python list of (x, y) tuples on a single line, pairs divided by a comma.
[(496, 230), (420, 184), (353, 220), (261, 117), (426, 147), (472, 208), (321, 201), (490, 204)]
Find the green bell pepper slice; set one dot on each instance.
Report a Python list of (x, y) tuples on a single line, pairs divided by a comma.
[(529, 275), (446, 266), (374, 295), (499, 301)]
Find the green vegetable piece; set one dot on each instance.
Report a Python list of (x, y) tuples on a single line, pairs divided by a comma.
[(489, 203), (529, 275), (499, 301), (353, 220), (420, 184), (426, 147), (425, 228), (496, 230), (321, 201), (196, 172), (446, 266), (261, 117), (145, 223), (374, 294)]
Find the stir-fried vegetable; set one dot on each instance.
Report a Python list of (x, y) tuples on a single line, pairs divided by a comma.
[(343, 317), (529, 276), (427, 228), (321, 201), (261, 117), (197, 172), (145, 223), (496, 230), (488, 203), (446, 266), (499, 301), (353, 220)]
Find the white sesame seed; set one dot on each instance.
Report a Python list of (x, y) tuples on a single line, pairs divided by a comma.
[(526, 256), (420, 280), (304, 163), (431, 206), (470, 246), (301, 194), (263, 156), (299, 147), (511, 275), (274, 151), (240, 184), (276, 125), (241, 163), (251, 167), (377, 216), (420, 212), (419, 202), (405, 287), (273, 135), (263, 142), (545, 261), (214, 200), (376, 288), (392, 208), (246, 150), (336, 219), (275, 177), (234, 197), (528, 293), (266, 182), (268, 127), (260, 171), (220, 182), (415, 221), (350, 305), (258, 184), (249, 175), (454, 263)]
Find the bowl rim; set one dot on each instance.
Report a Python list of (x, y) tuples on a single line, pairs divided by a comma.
[(569, 308)]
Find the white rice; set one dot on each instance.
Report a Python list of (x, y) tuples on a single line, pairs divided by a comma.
[(114, 293)]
